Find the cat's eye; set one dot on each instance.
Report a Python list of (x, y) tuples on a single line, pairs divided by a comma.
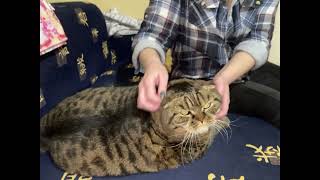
[(207, 106), (184, 112)]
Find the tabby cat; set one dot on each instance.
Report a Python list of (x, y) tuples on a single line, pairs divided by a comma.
[(100, 131)]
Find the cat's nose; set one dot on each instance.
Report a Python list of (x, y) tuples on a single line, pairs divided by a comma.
[(199, 116)]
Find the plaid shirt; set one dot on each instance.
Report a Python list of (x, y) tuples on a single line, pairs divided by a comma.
[(204, 35)]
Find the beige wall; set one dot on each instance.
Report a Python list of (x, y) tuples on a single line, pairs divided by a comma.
[(136, 9), (274, 55)]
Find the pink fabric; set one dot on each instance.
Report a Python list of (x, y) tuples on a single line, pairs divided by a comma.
[(52, 34)]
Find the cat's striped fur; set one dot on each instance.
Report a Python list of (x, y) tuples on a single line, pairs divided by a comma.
[(100, 132)]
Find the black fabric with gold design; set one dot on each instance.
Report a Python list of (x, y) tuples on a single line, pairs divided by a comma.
[(71, 68), (121, 65)]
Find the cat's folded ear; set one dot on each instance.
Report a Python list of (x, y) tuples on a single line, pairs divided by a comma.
[(178, 81), (209, 87), (188, 85), (194, 82)]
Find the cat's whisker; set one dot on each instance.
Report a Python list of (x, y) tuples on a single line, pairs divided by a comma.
[(234, 125), (197, 139), (230, 130), (230, 133), (179, 144), (192, 144), (223, 130), (182, 147), (188, 146), (217, 128), (228, 126), (222, 124), (232, 122)]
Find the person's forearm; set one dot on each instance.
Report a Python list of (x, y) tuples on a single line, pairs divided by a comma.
[(148, 56), (239, 64)]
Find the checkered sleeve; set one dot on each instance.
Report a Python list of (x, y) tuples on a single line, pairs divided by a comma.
[(257, 43), (158, 30)]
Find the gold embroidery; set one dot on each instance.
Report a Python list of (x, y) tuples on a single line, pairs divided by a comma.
[(113, 57), (67, 176), (85, 178), (129, 66), (95, 34), (105, 50), (82, 17), (212, 176), (270, 153), (62, 56), (107, 73), (93, 79), (135, 79), (81, 67), (241, 178), (42, 100)]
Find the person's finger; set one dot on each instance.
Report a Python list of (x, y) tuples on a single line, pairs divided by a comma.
[(162, 88), (141, 97), (142, 102), (224, 106), (151, 91)]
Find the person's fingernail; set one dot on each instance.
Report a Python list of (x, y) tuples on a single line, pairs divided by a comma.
[(162, 95)]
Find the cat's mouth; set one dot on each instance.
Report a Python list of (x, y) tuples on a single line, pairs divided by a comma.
[(202, 129), (205, 127)]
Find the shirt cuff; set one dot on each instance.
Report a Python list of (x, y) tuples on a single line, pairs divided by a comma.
[(257, 49), (142, 44)]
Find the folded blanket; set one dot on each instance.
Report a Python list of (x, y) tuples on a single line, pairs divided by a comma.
[(52, 34), (120, 25)]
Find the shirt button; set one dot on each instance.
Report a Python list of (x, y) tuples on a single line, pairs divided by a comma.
[(146, 16)]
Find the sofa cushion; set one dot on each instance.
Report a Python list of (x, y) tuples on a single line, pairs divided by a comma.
[(236, 157), (268, 75)]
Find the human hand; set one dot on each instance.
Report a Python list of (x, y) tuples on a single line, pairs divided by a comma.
[(153, 86), (222, 86)]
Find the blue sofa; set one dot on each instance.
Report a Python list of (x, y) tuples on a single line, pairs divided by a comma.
[(250, 150)]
